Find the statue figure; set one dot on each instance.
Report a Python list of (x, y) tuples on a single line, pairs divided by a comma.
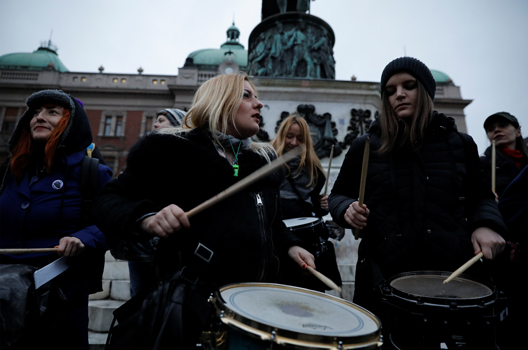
[(303, 6), (277, 54), (258, 57), (299, 42), (322, 54), (283, 5)]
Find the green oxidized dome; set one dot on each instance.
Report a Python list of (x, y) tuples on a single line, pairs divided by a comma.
[(43, 58), (440, 77), (232, 49)]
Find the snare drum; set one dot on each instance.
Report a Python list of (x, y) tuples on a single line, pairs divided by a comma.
[(309, 229), (274, 316), (425, 313)]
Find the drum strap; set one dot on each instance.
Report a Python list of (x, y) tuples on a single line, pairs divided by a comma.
[(205, 249)]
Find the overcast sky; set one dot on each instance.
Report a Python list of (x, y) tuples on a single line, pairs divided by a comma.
[(481, 44)]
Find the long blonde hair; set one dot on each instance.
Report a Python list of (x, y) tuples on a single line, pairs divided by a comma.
[(214, 107), (413, 133), (309, 159)]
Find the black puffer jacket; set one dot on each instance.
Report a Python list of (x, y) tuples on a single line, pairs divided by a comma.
[(186, 170), (505, 169), (423, 205)]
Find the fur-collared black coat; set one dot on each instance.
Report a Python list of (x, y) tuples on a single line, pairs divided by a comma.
[(186, 169), (424, 205)]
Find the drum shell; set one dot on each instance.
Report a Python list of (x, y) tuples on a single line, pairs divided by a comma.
[(240, 332), (422, 322), (311, 232)]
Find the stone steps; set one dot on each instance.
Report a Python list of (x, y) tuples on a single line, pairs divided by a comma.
[(116, 291)]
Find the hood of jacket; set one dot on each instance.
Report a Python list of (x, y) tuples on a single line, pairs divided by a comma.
[(77, 135)]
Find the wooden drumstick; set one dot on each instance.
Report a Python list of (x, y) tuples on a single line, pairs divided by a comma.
[(324, 279), (464, 267), (266, 169), (27, 250), (328, 172), (493, 165), (363, 180)]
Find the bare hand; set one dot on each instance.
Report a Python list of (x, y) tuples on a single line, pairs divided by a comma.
[(323, 202), (168, 220), (356, 216), (301, 256), (487, 241), (70, 246)]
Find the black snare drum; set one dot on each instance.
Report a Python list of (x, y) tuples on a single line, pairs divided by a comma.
[(425, 313)]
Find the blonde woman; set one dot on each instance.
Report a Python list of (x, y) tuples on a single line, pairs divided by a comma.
[(301, 197), (174, 170)]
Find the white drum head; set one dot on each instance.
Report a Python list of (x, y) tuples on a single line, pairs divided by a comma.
[(297, 222), (298, 313)]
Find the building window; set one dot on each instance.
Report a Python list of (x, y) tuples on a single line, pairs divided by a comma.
[(162, 81), (83, 79), (119, 126), (147, 122), (115, 80), (123, 80), (154, 81), (112, 124), (75, 78)]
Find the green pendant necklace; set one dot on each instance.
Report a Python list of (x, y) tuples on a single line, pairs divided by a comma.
[(235, 162)]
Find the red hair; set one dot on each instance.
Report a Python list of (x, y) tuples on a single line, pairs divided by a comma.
[(24, 150)]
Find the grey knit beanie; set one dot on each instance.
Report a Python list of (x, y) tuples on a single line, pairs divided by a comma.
[(412, 66), (174, 115)]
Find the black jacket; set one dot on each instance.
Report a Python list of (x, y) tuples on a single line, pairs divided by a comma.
[(186, 170), (424, 205), (505, 169)]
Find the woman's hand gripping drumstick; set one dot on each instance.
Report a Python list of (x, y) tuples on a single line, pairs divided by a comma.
[(464, 267), (357, 213), (172, 218), (306, 260)]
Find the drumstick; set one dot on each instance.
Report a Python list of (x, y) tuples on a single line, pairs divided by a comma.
[(464, 267), (27, 250), (324, 279), (280, 161), (363, 180), (328, 172), (493, 165)]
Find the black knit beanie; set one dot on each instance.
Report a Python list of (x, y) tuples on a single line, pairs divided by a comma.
[(412, 66)]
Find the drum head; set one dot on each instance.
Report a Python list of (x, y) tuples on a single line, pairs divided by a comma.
[(297, 314), (298, 222), (429, 286)]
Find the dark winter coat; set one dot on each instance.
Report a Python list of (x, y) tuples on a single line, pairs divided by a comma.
[(186, 170), (505, 169), (424, 205)]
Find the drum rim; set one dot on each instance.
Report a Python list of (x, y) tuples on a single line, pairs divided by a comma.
[(313, 223), (292, 337), (437, 300)]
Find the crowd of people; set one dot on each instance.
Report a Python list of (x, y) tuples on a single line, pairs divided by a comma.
[(428, 205)]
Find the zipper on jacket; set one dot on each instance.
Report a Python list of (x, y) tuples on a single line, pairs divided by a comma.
[(260, 206)]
